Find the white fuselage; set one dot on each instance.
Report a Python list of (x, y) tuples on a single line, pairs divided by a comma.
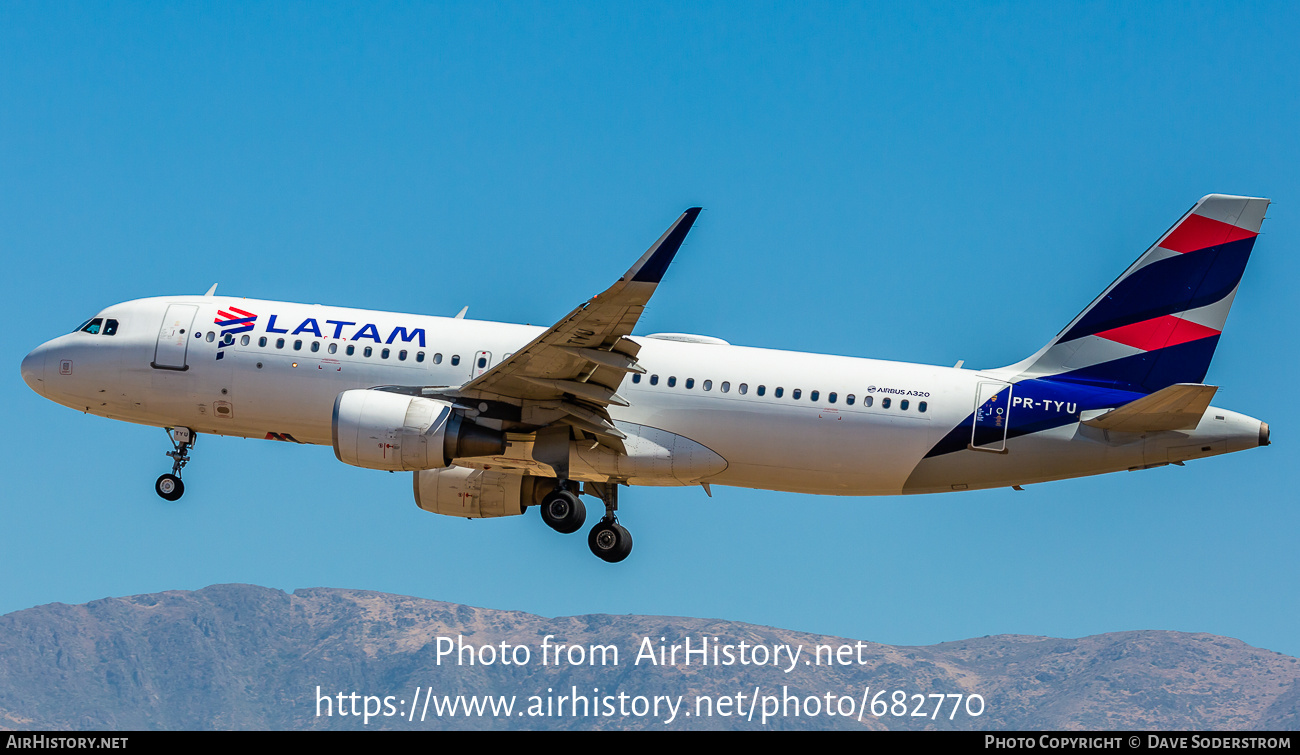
[(280, 380)]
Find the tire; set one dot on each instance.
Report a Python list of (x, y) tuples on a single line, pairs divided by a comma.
[(169, 487), (610, 542), (563, 512)]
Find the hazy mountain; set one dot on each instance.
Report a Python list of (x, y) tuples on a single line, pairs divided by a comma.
[(240, 656)]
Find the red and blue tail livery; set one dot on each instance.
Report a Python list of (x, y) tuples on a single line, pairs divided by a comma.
[(1152, 330), (1159, 322)]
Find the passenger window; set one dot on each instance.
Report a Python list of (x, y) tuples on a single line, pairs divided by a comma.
[(796, 394), (654, 380), (903, 405), (849, 399), (279, 343), (744, 389), (228, 339), (110, 328), (437, 358), (401, 355), (334, 347), (636, 377), (482, 362), (884, 402), (455, 359), (813, 396), (780, 392), (315, 345), (672, 381), (262, 342), (351, 349), (212, 336), (831, 397), (94, 325), (383, 354), (867, 400), (690, 383), (708, 385), (726, 387), (921, 407), (762, 389), (419, 356), (243, 341), (367, 352)]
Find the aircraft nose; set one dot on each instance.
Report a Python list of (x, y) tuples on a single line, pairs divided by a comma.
[(34, 369)]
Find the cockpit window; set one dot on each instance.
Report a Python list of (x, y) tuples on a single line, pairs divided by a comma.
[(93, 326), (110, 328)]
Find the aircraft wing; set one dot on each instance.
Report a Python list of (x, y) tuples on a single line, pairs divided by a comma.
[(571, 371), (1178, 407)]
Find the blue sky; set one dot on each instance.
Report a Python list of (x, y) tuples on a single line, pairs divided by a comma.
[(923, 183)]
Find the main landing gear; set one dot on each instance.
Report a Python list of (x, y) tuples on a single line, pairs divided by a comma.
[(169, 486), (564, 512)]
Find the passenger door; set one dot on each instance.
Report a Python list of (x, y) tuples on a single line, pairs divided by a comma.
[(174, 337)]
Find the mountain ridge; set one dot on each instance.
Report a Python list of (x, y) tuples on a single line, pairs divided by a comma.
[(249, 657)]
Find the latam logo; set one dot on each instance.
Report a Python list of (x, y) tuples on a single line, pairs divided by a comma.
[(233, 322), (310, 326)]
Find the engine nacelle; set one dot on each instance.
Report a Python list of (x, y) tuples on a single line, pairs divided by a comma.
[(396, 432), (478, 493)]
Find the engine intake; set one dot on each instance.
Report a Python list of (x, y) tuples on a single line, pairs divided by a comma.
[(395, 432)]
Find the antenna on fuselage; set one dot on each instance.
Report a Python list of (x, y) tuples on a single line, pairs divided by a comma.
[(212, 291), (459, 315)]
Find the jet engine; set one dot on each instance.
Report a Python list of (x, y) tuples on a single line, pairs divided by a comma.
[(478, 493), (396, 432)]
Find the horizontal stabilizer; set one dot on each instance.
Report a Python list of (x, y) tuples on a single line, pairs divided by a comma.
[(1178, 407)]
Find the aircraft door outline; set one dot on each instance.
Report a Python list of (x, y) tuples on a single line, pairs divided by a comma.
[(173, 345), (991, 417)]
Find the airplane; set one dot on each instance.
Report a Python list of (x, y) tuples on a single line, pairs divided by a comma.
[(495, 418)]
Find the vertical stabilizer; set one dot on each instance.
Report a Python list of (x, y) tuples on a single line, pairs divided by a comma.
[(1159, 323)]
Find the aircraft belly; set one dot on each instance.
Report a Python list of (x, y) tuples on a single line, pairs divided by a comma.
[(799, 449), (291, 395), (1059, 453), (1077, 450)]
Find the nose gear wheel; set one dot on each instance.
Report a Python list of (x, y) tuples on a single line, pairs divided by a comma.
[(169, 486)]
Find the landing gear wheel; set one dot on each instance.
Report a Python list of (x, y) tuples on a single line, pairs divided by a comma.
[(170, 487), (563, 512), (610, 541)]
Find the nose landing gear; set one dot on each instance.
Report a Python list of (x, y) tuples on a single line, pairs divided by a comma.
[(169, 486)]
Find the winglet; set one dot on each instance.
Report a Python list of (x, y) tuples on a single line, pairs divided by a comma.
[(654, 263)]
